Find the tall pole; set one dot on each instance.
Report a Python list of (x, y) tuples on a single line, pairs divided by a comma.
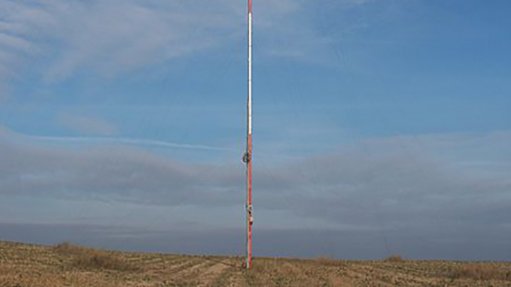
[(248, 154)]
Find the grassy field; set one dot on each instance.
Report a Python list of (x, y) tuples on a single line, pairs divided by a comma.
[(69, 265)]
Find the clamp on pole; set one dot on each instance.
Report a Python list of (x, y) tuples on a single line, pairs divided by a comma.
[(250, 215), (247, 157)]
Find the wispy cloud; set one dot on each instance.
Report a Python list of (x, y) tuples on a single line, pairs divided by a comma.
[(125, 141), (16, 137), (114, 37), (109, 37), (119, 36), (87, 125), (22, 25)]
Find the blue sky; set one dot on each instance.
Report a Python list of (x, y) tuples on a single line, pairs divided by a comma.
[(385, 121)]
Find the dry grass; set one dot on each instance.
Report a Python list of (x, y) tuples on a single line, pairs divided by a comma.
[(327, 261), (65, 264), (88, 258), (394, 259), (480, 271)]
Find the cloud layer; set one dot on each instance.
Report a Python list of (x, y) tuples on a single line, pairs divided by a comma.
[(404, 181)]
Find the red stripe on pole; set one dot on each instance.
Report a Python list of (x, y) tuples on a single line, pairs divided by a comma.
[(249, 6), (249, 202)]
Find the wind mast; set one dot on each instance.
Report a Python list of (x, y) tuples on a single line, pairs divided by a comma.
[(247, 158)]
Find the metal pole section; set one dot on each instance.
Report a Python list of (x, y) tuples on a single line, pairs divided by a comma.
[(248, 154)]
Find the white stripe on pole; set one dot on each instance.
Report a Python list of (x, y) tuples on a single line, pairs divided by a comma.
[(250, 73)]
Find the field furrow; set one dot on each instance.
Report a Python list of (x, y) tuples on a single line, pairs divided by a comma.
[(24, 265)]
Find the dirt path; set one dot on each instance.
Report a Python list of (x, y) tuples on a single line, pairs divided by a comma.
[(211, 274)]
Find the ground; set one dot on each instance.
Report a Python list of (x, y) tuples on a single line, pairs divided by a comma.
[(23, 265)]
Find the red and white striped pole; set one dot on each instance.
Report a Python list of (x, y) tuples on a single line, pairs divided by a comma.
[(248, 154)]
